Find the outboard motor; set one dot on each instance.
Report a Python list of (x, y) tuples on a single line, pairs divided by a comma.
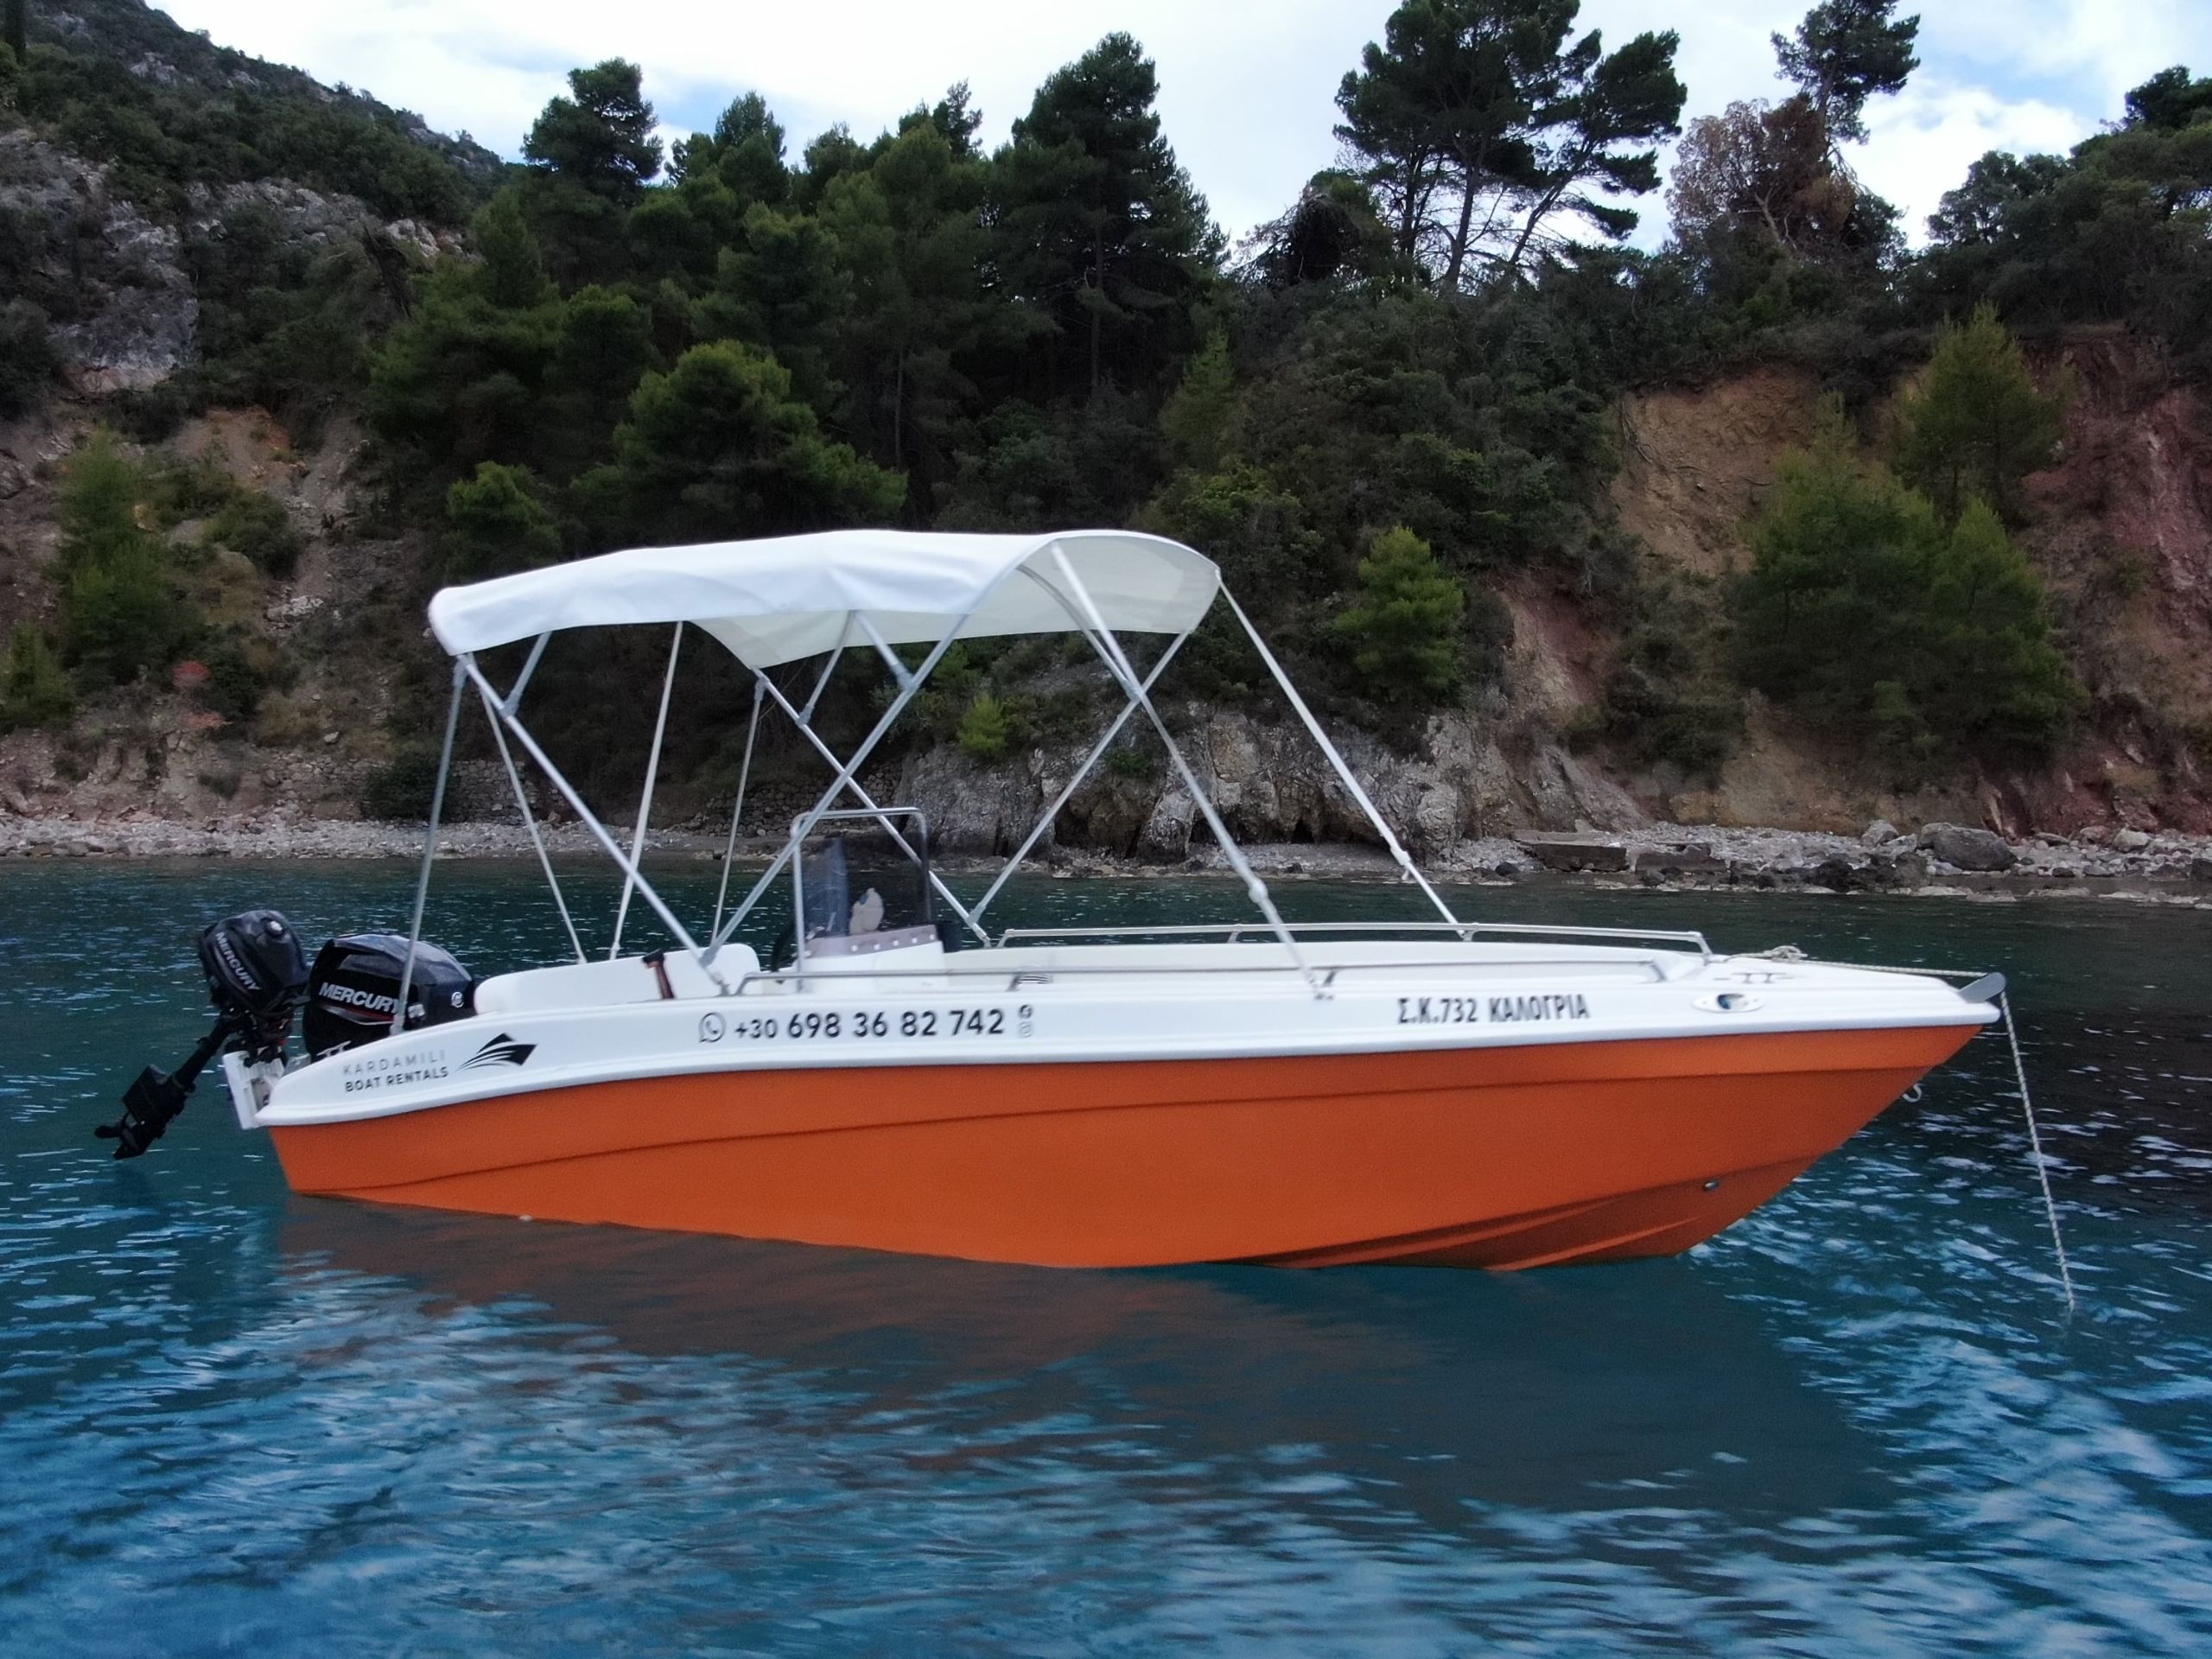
[(256, 974), (353, 991)]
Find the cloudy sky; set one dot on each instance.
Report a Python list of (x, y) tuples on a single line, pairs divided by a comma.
[(1246, 89)]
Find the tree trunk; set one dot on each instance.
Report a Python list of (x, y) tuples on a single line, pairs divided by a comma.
[(1413, 200), (1569, 171), (1097, 313), (898, 415), (1460, 239)]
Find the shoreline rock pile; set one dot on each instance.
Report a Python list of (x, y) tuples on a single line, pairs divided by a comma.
[(1938, 857)]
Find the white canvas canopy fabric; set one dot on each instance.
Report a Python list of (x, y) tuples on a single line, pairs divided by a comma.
[(790, 597)]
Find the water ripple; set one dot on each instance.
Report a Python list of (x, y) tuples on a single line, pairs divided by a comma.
[(1858, 1423)]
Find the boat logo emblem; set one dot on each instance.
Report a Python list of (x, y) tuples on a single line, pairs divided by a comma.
[(711, 1027), (502, 1050)]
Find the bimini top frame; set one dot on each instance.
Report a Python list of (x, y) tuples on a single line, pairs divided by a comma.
[(777, 602)]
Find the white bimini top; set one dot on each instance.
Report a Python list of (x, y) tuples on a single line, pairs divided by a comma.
[(795, 596)]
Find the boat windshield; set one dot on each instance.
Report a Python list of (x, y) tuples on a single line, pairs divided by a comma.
[(863, 890)]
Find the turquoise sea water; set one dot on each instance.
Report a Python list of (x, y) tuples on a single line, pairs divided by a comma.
[(231, 1420)]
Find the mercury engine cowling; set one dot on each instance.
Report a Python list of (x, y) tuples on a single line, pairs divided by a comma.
[(257, 973), (353, 991)]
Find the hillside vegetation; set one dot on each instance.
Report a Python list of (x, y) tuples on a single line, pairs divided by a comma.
[(1397, 414)]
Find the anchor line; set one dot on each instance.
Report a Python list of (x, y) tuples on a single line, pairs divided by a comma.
[(2035, 1150), (1791, 953)]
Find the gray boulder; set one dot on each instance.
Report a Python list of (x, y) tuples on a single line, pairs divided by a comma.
[(1879, 833), (1967, 848), (1574, 852)]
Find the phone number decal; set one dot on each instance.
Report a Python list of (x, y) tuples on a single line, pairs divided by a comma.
[(867, 1024)]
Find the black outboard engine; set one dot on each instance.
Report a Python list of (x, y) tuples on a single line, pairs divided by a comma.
[(353, 991), (256, 974)]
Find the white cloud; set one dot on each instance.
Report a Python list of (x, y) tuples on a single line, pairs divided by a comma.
[(1246, 89), (1932, 132)]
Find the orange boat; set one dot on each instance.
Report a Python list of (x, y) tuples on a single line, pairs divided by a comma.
[(1454, 1091)]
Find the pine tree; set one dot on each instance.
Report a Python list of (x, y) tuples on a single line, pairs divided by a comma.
[(1404, 627), (1976, 425), (34, 691), (1865, 610), (1200, 419), (118, 615), (1098, 226), (496, 522), (1844, 52), (602, 135), (719, 447)]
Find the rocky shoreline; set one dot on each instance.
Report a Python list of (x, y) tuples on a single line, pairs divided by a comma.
[(1938, 858)]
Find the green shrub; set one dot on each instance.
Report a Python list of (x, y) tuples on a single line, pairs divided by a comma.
[(401, 790), (1668, 697), (1130, 761), (496, 522), (258, 526), (985, 729), (121, 618), (34, 691), (1403, 629), (238, 679), (119, 615), (1864, 610), (26, 357), (1976, 425), (174, 490)]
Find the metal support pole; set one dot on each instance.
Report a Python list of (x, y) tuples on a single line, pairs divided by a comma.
[(429, 852), (1109, 649), (870, 801), (899, 671), (623, 862), (529, 822), (1337, 760), (1082, 772), (883, 724), (646, 800), (512, 701), (737, 810), (822, 680)]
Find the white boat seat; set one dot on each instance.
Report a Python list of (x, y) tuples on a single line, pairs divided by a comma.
[(603, 984)]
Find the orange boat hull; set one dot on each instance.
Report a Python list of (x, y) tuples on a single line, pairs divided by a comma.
[(1495, 1158)]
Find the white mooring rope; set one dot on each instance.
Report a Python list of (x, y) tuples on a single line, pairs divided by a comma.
[(1791, 953), (2035, 1150)]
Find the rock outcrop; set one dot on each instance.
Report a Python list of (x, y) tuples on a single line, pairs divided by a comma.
[(110, 279), (1967, 848), (1268, 783)]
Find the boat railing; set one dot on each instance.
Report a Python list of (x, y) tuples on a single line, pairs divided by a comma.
[(1234, 933), (1325, 973)]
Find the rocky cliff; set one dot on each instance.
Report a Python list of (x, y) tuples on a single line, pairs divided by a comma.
[(2121, 530)]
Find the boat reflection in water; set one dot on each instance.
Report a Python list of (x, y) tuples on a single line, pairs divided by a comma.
[(1426, 1397)]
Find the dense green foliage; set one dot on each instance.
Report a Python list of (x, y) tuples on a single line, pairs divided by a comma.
[(1867, 611), (251, 523), (34, 691), (1476, 122), (212, 116), (1404, 621), (2119, 231), (119, 614), (497, 523), (985, 729), (1976, 424), (1389, 406)]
